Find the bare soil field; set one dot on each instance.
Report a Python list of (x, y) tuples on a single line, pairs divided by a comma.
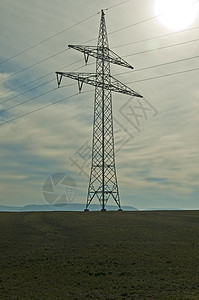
[(97, 255)]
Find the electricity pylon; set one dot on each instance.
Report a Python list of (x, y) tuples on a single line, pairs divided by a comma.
[(103, 180)]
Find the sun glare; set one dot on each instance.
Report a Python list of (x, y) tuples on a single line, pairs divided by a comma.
[(176, 14)]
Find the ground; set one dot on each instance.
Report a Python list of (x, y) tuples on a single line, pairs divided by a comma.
[(99, 255)]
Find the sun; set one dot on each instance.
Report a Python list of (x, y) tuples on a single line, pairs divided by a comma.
[(176, 14)]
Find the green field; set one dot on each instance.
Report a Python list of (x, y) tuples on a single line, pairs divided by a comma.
[(96, 255)]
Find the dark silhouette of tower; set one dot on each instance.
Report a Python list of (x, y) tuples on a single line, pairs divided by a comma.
[(103, 180)]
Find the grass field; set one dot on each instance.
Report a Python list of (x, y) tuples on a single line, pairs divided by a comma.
[(95, 255)]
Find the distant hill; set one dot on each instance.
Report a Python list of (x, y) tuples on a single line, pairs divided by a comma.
[(61, 207), (8, 208), (149, 209)]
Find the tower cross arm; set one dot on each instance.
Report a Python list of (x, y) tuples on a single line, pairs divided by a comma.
[(88, 78), (112, 84), (101, 53), (118, 86)]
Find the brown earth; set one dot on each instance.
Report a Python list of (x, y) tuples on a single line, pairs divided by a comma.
[(96, 255)]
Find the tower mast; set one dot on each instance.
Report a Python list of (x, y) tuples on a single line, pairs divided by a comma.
[(103, 180)]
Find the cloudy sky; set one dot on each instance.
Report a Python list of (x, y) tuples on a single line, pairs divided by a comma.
[(156, 153)]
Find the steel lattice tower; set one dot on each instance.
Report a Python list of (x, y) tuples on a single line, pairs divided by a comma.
[(103, 180)]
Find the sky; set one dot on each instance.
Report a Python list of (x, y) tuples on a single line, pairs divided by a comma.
[(156, 148)]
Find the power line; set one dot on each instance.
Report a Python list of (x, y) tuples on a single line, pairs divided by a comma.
[(146, 68), (159, 65), (145, 20), (141, 80), (156, 37), (142, 52), (94, 39), (166, 75), (43, 107), (149, 67), (21, 103), (128, 26), (50, 37), (115, 47), (7, 100), (134, 24), (34, 64), (137, 53), (110, 7), (35, 97), (60, 32), (140, 22), (123, 72), (38, 78), (78, 23), (163, 47)]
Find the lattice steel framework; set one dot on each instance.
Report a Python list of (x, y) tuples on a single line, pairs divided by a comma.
[(103, 180)]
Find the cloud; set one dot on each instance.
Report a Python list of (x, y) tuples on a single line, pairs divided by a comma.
[(162, 158), (4, 90)]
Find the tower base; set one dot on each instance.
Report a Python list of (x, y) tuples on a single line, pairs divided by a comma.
[(103, 209)]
